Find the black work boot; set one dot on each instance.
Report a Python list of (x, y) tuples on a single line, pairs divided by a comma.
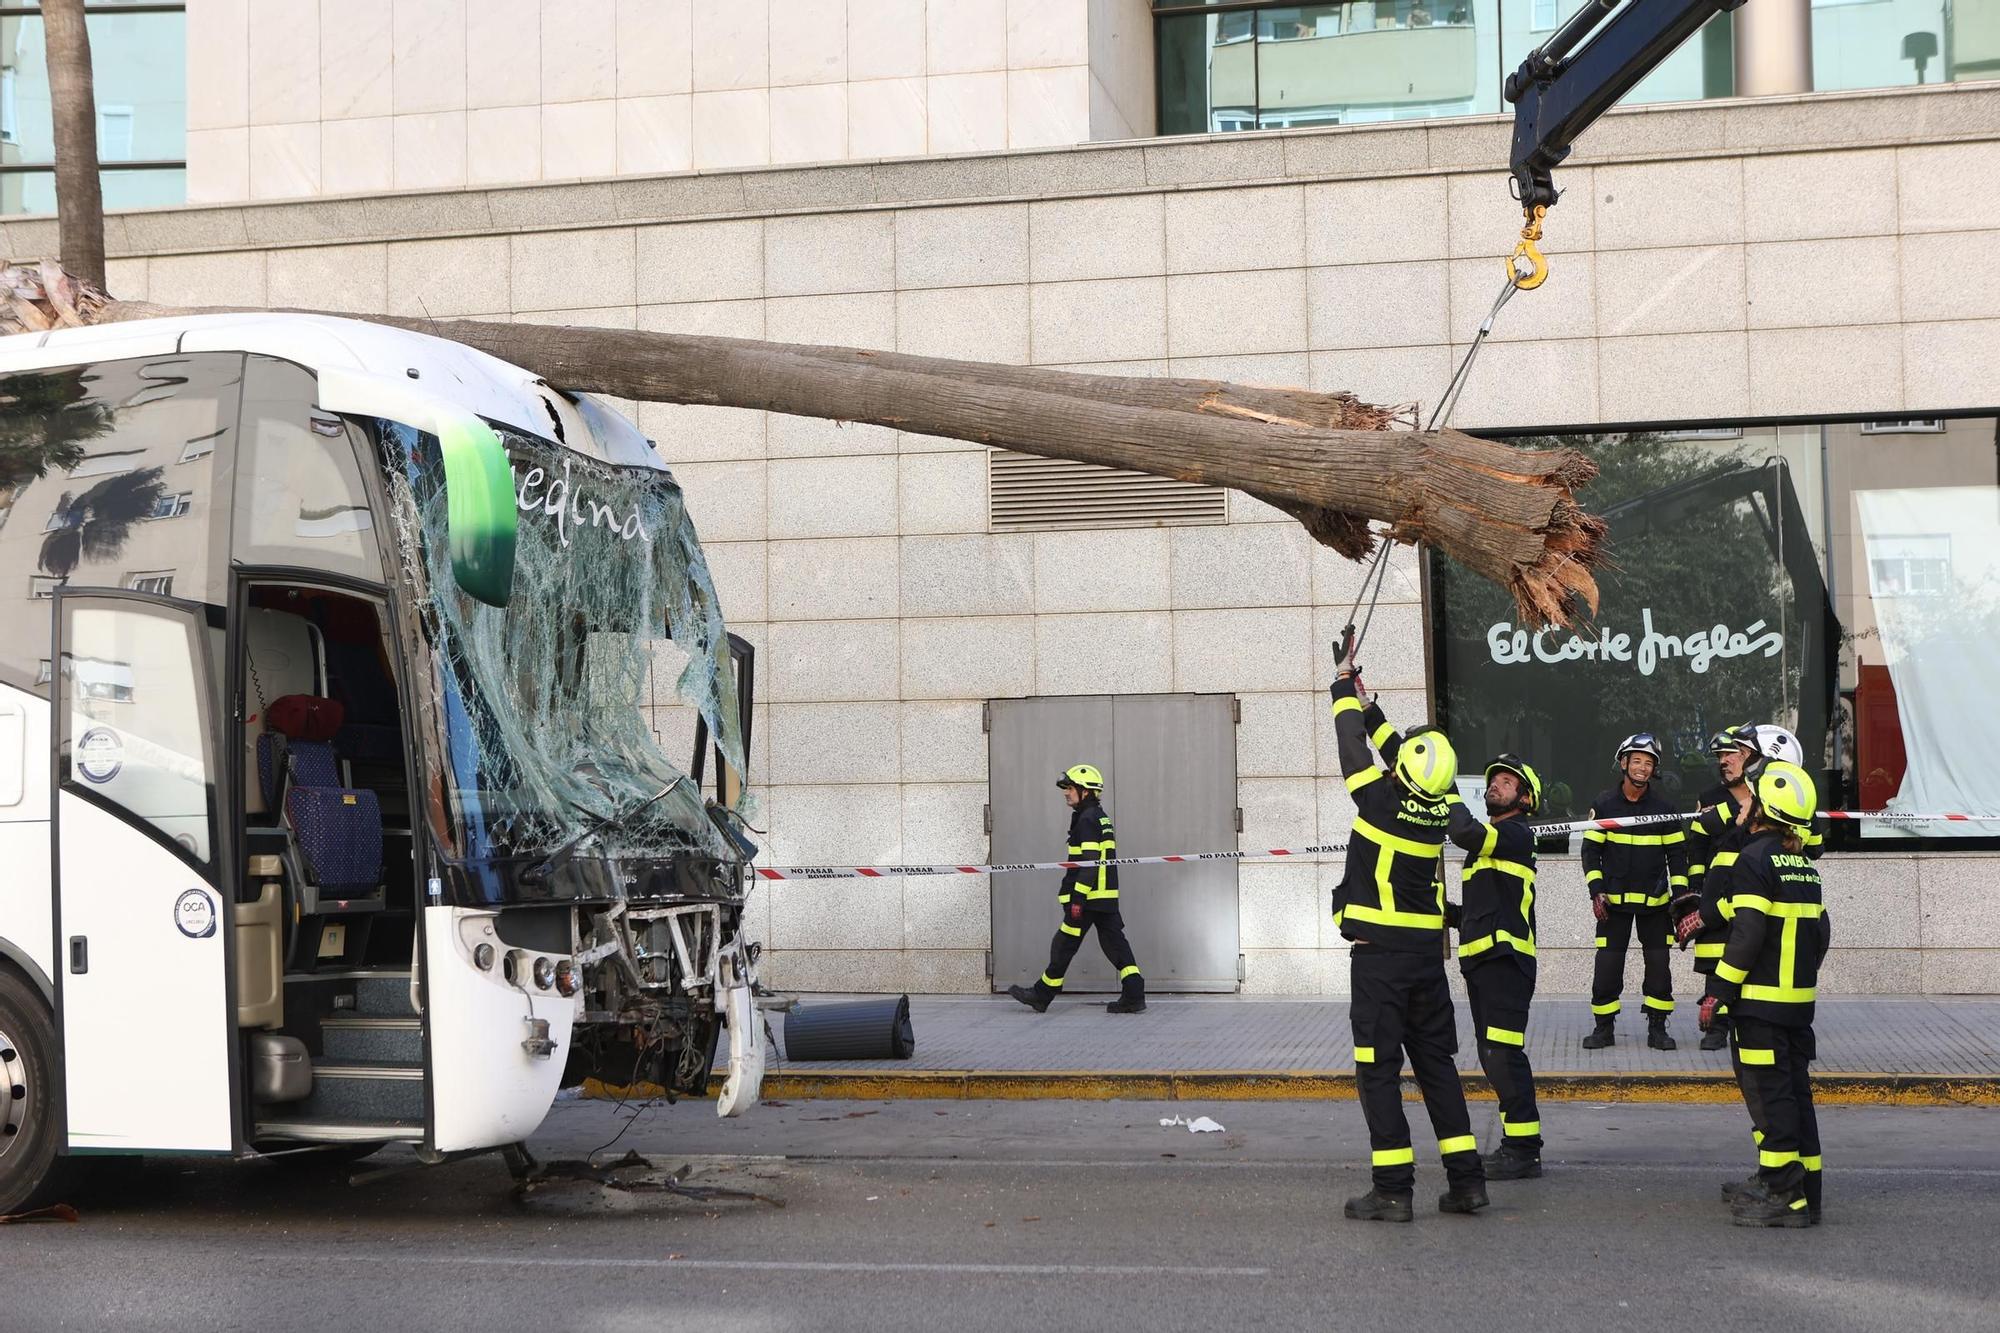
[(1509, 1163), (1657, 1036), (1771, 1208), (1467, 1198), (1131, 998), (1035, 998), (1732, 1190), (1601, 1036), (1375, 1206), (1716, 1038)]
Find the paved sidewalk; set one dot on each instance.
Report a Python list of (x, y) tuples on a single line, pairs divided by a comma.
[(1916, 1049)]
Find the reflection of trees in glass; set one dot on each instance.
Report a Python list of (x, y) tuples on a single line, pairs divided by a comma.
[(1694, 568), (45, 420), (97, 522)]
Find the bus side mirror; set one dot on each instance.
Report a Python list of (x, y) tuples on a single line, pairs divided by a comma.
[(480, 518)]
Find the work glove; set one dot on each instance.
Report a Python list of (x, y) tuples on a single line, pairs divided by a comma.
[(1709, 1004), (1688, 927), (1597, 907), (1076, 912), (1452, 915)]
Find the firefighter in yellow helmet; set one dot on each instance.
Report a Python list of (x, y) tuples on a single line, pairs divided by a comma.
[(1391, 905), (1089, 898), (1767, 977)]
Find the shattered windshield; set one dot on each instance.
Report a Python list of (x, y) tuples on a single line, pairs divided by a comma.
[(547, 703)]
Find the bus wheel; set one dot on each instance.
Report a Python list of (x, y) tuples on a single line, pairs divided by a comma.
[(31, 1175)]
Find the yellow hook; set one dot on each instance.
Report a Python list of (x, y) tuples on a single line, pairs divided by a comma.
[(1537, 271)]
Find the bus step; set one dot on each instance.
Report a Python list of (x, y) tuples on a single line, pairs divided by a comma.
[(365, 1090), (372, 1038), (383, 993), (317, 1130)]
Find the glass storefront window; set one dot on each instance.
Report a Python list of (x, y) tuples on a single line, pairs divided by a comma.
[(1841, 580), (1284, 66), (139, 69), (1890, 43)]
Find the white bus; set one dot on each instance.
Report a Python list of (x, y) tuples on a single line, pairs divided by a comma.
[(335, 663)]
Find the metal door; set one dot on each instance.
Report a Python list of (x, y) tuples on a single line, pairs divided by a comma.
[(142, 921), (1169, 764)]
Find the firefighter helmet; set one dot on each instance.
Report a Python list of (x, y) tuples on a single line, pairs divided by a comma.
[(1427, 763), (1643, 742), (1786, 794), (1083, 777), (1531, 781), (1768, 744)]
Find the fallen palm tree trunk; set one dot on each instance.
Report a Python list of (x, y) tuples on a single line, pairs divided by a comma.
[(1327, 459)]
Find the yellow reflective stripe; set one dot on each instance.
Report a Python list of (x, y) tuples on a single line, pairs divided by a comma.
[(1752, 1056), (1657, 1006), (1382, 735), (1731, 972), (1813, 1163), (1408, 920), (1721, 859), (1492, 841), (1780, 994), (1364, 1055), (1357, 781), (1393, 1156), (1603, 943), (1071, 930), (1459, 1143), (1098, 847), (1796, 1205), (1406, 846), (1054, 983), (1771, 1161), (1504, 867), (1125, 972), (1710, 950), (1637, 839), (1602, 1009), (1739, 901), (1506, 1038), (1350, 704), (1468, 948), (1592, 876), (1593, 835), (1677, 881), (1472, 948), (1526, 1129)]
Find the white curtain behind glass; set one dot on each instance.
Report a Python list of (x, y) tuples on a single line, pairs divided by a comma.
[(1933, 569)]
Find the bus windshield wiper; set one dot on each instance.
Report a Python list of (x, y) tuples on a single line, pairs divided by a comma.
[(541, 870)]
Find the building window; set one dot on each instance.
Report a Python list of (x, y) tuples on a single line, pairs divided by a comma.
[(139, 69), (172, 506), (1810, 575), (1905, 426), (160, 583), (199, 447)]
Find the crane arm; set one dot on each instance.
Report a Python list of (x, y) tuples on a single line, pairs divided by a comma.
[(1581, 72)]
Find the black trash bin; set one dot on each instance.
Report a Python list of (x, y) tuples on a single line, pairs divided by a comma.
[(850, 1030)]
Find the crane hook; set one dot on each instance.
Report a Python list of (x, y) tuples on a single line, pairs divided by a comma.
[(1537, 271)]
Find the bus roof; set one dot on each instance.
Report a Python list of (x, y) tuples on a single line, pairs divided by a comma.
[(495, 389)]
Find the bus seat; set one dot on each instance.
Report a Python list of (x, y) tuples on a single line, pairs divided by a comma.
[(355, 678), (283, 653), (260, 952), (337, 830)]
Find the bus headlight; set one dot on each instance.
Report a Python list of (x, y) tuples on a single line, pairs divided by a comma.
[(566, 982), (482, 957), (545, 974)]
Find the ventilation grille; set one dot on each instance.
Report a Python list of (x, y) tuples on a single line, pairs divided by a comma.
[(1030, 493)]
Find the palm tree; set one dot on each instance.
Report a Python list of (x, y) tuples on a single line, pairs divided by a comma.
[(97, 522), (79, 192)]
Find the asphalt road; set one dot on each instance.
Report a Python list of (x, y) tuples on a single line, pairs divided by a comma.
[(1038, 1216)]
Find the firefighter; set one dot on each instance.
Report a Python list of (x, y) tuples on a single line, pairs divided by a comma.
[(1496, 952), (1767, 975), (1089, 898), (1391, 906), (1631, 874), (1716, 838)]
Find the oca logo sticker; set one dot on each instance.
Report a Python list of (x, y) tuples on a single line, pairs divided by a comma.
[(100, 754), (194, 913)]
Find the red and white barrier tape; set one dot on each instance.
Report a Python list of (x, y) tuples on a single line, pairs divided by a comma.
[(1278, 853)]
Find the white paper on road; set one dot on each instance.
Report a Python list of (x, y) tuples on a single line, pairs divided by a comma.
[(1201, 1124)]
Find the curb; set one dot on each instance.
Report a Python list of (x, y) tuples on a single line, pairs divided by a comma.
[(1318, 1085)]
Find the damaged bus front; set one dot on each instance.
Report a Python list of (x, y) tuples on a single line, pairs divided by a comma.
[(561, 823)]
